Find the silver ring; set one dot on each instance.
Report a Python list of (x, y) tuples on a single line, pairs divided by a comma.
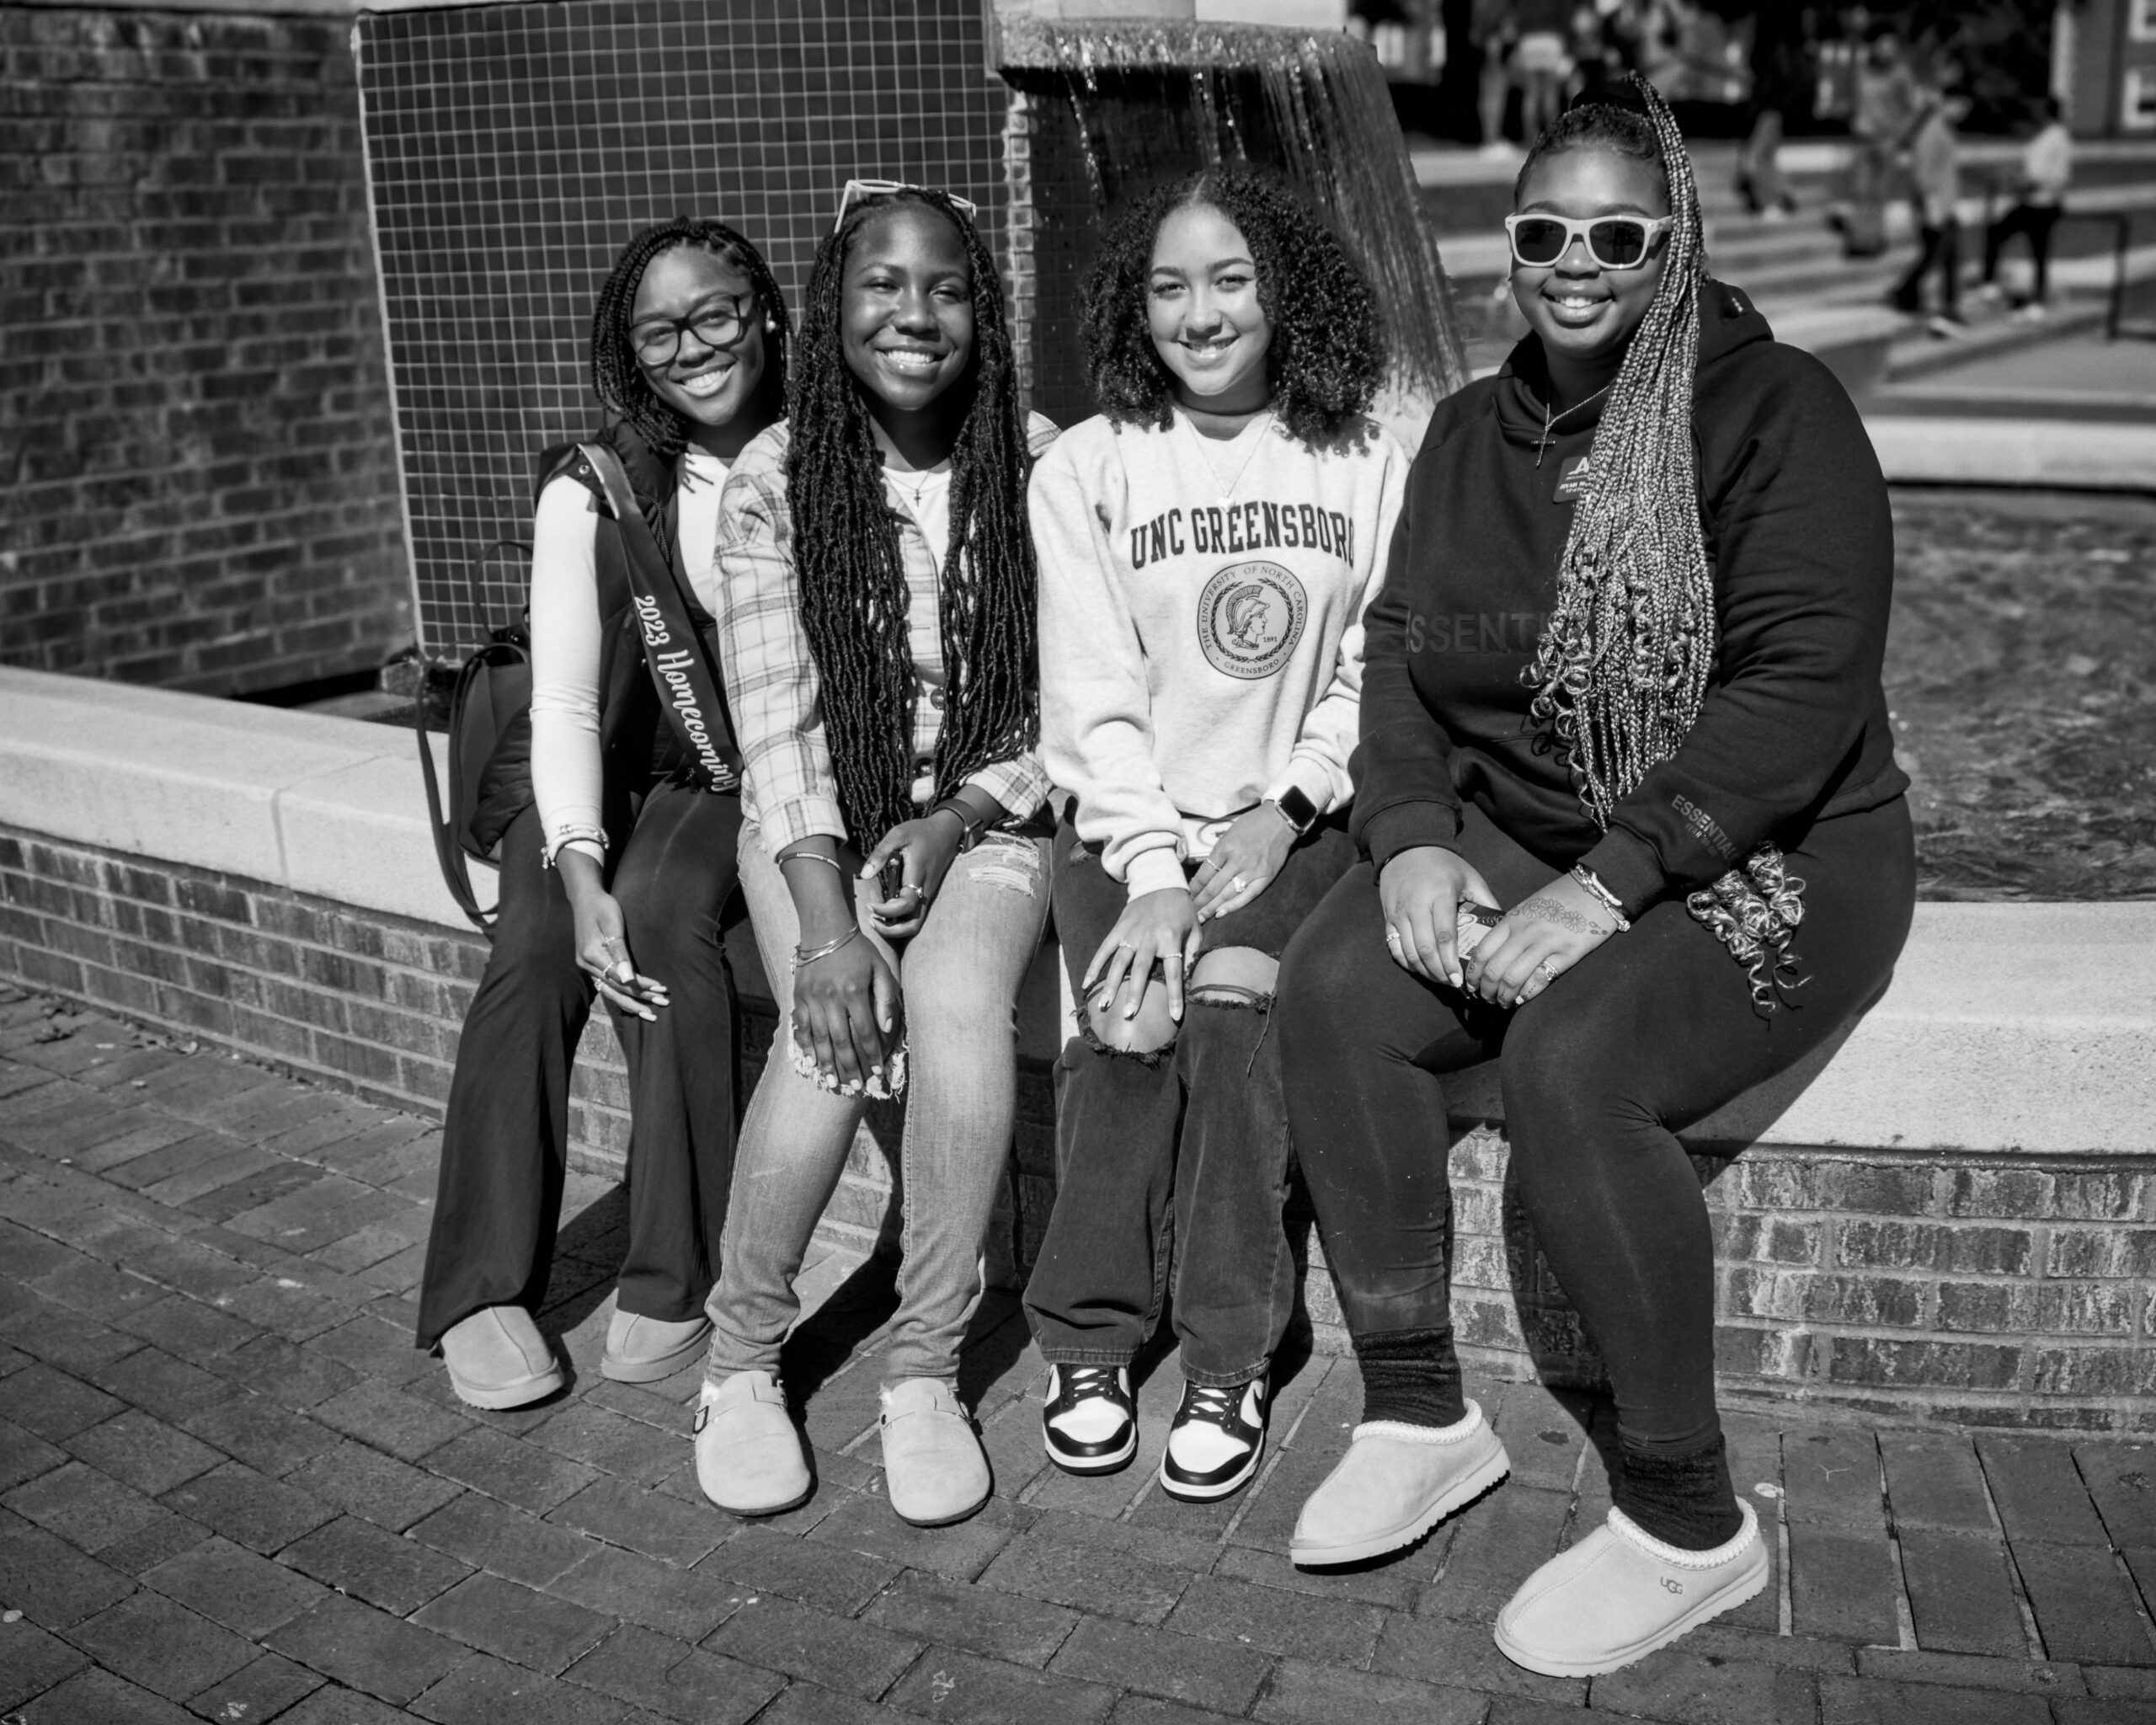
[(1124, 946), (1172, 957), (622, 972), (1237, 884)]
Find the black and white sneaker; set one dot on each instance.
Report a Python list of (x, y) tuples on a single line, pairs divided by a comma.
[(1215, 1443), (1088, 1421)]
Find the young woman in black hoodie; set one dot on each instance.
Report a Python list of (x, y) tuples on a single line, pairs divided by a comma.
[(1622, 685)]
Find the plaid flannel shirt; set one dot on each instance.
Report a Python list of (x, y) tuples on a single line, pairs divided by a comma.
[(788, 788)]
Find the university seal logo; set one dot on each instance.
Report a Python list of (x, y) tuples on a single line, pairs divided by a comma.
[(1250, 616)]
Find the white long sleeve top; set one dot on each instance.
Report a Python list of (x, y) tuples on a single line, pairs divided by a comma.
[(1201, 606), (565, 757)]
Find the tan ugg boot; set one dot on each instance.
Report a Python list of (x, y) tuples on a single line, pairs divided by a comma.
[(749, 1455), (933, 1466), (642, 1350), (1620, 1593), (497, 1358), (1395, 1484)]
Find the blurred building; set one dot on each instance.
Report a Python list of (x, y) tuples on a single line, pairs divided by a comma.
[(2104, 65)]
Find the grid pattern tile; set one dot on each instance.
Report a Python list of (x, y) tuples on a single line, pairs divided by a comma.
[(512, 150)]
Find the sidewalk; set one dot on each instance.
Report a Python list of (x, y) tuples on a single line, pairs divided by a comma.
[(230, 1489)]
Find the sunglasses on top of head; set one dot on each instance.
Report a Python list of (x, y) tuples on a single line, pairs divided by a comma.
[(865, 189), (1614, 242)]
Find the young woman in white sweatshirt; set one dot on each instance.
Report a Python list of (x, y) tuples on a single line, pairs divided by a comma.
[(1206, 546)]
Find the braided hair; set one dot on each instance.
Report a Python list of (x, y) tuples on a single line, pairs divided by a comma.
[(618, 376), (852, 575), (1327, 355), (1622, 671)]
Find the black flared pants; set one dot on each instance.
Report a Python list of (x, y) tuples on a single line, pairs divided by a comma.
[(505, 1138)]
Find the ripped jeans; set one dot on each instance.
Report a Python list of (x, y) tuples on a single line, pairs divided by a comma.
[(959, 978), (1174, 1164)]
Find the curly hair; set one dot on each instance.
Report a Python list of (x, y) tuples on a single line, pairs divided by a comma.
[(1327, 359), (852, 573), (617, 375)]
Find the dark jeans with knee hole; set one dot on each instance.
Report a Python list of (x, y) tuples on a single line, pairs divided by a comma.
[(1653, 1030), (505, 1138), (1174, 1163)]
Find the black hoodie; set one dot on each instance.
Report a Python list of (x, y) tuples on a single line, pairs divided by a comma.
[(1794, 726)]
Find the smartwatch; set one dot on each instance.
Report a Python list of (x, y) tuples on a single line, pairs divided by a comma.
[(1296, 810)]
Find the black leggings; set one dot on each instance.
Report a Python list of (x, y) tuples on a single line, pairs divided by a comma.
[(505, 1140), (1653, 1030)]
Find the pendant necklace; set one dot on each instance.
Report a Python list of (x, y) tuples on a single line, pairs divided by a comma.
[(1549, 419)]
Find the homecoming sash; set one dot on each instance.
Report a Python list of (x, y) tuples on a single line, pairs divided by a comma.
[(689, 693)]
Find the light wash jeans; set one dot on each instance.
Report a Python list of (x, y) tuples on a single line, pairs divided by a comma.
[(959, 978)]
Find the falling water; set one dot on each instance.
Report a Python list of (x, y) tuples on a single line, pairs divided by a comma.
[(1154, 100)]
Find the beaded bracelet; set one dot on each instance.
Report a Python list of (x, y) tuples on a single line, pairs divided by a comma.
[(571, 835), (802, 956), (1607, 899)]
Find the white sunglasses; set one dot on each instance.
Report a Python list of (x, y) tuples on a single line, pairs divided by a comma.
[(884, 189), (1614, 242)]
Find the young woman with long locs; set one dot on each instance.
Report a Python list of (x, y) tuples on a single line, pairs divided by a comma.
[(1207, 546), (1622, 685), (879, 626), (618, 835)]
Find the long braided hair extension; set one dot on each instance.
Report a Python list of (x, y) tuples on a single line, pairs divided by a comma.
[(1623, 669), (616, 374), (852, 575)]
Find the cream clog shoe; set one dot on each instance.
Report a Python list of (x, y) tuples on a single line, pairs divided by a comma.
[(1395, 1484), (750, 1460), (1620, 1593), (497, 1359)]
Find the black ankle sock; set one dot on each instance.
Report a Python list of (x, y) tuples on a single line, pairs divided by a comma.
[(1411, 1376), (1682, 1498)]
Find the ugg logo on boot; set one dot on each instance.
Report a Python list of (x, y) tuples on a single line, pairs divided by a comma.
[(1675, 1587)]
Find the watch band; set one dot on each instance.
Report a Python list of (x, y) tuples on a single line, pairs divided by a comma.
[(1296, 808)]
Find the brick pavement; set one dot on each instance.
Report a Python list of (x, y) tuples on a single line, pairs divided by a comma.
[(230, 1489)]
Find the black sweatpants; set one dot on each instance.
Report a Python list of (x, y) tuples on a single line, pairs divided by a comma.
[(1939, 248), (2035, 222), (1653, 1030), (505, 1141)]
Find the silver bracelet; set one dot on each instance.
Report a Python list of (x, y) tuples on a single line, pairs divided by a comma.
[(1607, 899), (814, 857), (801, 956), (570, 835)]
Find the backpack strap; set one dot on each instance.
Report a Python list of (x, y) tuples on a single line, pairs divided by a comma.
[(690, 692), (448, 853)]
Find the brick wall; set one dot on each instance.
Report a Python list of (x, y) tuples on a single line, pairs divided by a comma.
[(1991, 1291), (198, 455)]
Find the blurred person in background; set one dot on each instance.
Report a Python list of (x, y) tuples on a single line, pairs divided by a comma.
[(1542, 63), (1887, 108), (1491, 28), (1935, 173), (1781, 71), (2047, 170)]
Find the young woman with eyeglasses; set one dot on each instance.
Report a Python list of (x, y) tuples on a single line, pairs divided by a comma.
[(1207, 547), (618, 843), (878, 618), (1621, 697)]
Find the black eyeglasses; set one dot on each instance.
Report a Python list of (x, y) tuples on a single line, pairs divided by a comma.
[(717, 324), (1614, 242)]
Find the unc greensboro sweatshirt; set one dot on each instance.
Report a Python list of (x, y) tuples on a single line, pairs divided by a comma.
[(1793, 726), (1201, 606)]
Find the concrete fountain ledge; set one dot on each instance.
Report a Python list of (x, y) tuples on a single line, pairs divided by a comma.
[(1954, 1212)]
